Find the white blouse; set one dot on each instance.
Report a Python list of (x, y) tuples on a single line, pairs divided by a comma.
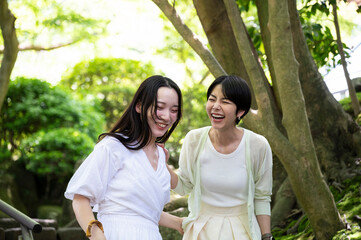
[(223, 176), (122, 181)]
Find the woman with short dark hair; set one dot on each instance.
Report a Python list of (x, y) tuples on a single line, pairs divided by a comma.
[(226, 170)]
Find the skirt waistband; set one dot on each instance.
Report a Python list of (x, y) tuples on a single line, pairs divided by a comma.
[(223, 211), (129, 220)]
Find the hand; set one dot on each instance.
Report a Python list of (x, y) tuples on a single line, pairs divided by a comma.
[(165, 151), (180, 230)]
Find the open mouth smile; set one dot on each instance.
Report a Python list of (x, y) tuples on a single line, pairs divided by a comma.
[(217, 116), (161, 125)]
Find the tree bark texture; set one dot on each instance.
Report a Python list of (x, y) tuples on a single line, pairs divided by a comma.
[(305, 174), (283, 203), (336, 136), (7, 21)]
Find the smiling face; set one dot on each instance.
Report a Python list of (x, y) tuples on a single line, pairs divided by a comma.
[(221, 111), (165, 114)]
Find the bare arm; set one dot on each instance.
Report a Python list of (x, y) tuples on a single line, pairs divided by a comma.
[(84, 214), (171, 221), (173, 175), (264, 222), (173, 178)]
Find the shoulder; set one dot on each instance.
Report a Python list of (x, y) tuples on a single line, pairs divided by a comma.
[(255, 137), (256, 141), (111, 144), (196, 134)]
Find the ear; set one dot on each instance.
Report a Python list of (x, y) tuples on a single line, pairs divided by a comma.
[(138, 107), (240, 113)]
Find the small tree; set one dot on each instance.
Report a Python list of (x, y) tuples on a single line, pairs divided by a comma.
[(46, 131), (112, 81)]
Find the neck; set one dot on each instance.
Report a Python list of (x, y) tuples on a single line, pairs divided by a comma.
[(225, 136)]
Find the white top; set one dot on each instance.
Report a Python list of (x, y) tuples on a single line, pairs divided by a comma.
[(223, 176), (122, 181), (259, 171)]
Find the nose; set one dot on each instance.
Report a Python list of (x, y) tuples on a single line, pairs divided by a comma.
[(165, 115), (216, 105)]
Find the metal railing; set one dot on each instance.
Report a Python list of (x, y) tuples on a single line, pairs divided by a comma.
[(27, 224)]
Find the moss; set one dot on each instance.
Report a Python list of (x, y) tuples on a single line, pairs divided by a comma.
[(348, 204), (347, 105), (304, 224), (354, 234)]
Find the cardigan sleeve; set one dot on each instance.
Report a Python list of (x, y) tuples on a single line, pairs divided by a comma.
[(262, 160), (185, 176)]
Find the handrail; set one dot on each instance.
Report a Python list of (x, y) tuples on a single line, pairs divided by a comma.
[(26, 223)]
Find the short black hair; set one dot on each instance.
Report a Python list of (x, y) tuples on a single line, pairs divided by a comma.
[(236, 90)]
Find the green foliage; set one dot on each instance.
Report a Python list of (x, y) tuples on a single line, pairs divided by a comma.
[(110, 81), (47, 132), (320, 41), (348, 203), (176, 48), (55, 152), (354, 234), (49, 22), (33, 108), (347, 105), (244, 5), (32, 105)]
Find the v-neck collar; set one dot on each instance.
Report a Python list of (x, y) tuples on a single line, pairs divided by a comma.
[(148, 162)]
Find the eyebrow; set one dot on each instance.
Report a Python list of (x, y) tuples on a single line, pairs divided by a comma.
[(225, 98), (160, 102)]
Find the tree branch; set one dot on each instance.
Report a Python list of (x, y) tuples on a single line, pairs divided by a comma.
[(42, 48), (7, 22), (211, 62)]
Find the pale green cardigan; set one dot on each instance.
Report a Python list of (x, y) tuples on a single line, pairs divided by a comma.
[(259, 168)]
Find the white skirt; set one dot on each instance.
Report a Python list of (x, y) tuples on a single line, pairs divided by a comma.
[(219, 223), (123, 227)]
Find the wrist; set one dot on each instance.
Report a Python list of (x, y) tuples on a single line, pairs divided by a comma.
[(92, 223), (267, 236)]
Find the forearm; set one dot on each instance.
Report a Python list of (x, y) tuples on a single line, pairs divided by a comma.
[(173, 178), (264, 222), (84, 214), (171, 221)]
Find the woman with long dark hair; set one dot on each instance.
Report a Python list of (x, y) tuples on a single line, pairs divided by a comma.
[(125, 177)]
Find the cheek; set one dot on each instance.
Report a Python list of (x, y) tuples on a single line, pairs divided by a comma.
[(208, 107), (174, 116)]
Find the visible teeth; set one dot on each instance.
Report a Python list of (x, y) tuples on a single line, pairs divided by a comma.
[(217, 116), (161, 125)]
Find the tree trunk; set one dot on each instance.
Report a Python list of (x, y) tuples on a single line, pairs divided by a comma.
[(355, 103), (336, 136), (306, 173), (284, 202), (295, 147), (7, 21)]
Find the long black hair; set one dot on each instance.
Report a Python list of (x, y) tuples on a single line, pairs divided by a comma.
[(236, 90), (132, 128)]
